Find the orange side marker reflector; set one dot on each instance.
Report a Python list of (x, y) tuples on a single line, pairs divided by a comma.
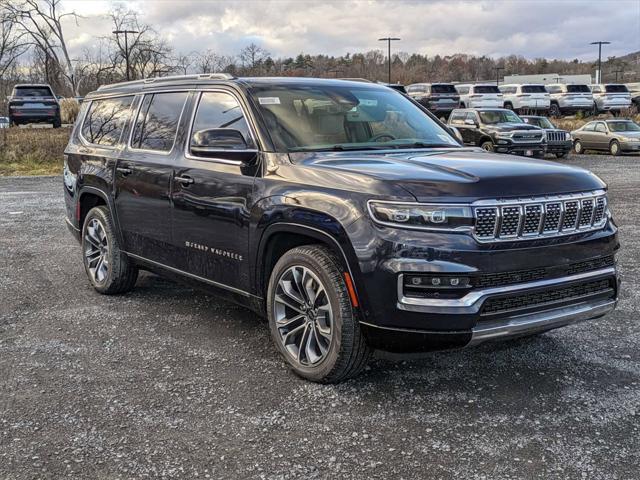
[(351, 290)]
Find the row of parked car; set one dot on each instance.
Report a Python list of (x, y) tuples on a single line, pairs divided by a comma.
[(555, 100), (503, 131)]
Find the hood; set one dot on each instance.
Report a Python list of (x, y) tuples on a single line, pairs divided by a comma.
[(456, 174), (508, 127), (627, 134)]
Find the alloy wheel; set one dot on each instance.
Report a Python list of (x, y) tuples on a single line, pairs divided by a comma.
[(303, 316), (96, 251)]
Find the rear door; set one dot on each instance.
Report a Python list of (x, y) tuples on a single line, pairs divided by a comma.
[(212, 195), (600, 137), (143, 177)]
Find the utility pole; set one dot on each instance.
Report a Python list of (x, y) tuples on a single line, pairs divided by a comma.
[(621, 72), (498, 69), (599, 43), (126, 47), (388, 40)]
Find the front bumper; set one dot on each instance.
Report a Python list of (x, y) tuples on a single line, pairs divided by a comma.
[(630, 146), (560, 147), (522, 149)]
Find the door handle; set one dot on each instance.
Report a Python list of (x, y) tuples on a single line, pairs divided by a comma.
[(124, 170), (183, 180)]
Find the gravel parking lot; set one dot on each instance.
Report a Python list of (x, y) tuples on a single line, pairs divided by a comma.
[(169, 382)]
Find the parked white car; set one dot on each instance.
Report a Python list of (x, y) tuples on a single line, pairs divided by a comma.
[(480, 96), (610, 97), (4, 122), (526, 98), (567, 99)]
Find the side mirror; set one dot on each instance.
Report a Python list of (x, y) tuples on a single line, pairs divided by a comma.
[(457, 134), (214, 140)]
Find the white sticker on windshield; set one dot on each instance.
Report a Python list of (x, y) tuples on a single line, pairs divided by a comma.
[(366, 102), (269, 100)]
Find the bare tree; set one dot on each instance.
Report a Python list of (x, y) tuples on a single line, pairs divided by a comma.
[(252, 55), (42, 20)]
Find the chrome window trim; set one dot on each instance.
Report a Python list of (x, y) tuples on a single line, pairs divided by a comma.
[(187, 153), (135, 119), (473, 300)]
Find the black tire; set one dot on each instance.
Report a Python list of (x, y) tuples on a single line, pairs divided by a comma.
[(561, 154), (508, 105), (347, 352), (614, 148), (577, 147), (57, 122), (488, 146), (121, 273), (554, 110)]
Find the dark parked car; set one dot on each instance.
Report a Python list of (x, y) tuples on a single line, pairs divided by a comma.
[(33, 103), (439, 98), (339, 210), (614, 136), (498, 130), (558, 141)]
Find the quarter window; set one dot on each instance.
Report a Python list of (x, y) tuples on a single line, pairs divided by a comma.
[(105, 120), (221, 110), (157, 121)]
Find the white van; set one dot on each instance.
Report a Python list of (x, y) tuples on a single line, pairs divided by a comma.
[(526, 97), (483, 95)]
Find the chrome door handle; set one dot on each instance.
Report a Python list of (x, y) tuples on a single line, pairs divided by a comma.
[(124, 170), (183, 180)]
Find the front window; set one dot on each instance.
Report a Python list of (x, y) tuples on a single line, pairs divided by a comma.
[(624, 127), (337, 117), (491, 117), (542, 122)]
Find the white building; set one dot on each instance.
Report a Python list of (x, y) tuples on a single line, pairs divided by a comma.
[(547, 78)]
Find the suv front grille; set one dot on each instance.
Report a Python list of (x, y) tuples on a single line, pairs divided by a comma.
[(535, 298), (555, 137), (541, 217)]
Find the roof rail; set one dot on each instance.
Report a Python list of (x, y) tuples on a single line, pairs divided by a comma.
[(199, 76)]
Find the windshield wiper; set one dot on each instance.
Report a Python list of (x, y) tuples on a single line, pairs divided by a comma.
[(422, 145), (340, 148)]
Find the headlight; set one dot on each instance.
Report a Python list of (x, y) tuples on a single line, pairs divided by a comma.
[(422, 216), (567, 136), (504, 134)]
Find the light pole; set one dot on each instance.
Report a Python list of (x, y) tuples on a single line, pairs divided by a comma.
[(126, 46), (498, 75), (388, 40), (599, 79), (621, 72)]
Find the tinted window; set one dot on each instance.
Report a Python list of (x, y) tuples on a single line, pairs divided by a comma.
[(32, 92), (105, 120), (221, 110), (600, 127), (578, 89), (624, 127), (457, 117), (462, 90), (533, 89), (443, 89), (615, 89), (491, 117), (507, 89), (157, 121), (486, 89)]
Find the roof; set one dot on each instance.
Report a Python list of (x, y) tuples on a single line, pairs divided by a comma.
[(32, 85)]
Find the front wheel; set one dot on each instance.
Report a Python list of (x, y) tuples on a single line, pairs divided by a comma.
[(577, 147), (109, 270), (311, 317), (487, 145), (614, 148)]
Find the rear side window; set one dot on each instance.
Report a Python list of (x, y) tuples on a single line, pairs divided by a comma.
[(105, 120), (443, 89), (32, 92), (615, 89), (486, 89), (578, 89), (533, 89), (157, 121), (221, 110)]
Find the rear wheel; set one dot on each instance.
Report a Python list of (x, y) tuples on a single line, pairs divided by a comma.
[(614, 148), (508, 105), (311, 318), (554, 110), (57, 122), (487, 145), (577, 147), (109, 270)]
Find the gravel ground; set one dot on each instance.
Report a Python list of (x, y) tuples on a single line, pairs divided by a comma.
[(169, 382)]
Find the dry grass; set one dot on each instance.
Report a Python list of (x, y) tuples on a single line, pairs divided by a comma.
[(32, 151), (69, 108)]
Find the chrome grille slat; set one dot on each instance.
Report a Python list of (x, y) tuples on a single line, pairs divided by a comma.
[(526, 219)]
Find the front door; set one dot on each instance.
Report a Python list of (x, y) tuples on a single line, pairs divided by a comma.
[(212, 196), (143, 178)]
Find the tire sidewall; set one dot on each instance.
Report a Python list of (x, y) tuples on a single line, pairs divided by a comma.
[(491, 146), (577, 147), (101, 215), (328, 364), (615, 144)]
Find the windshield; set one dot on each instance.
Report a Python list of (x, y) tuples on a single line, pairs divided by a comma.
[(349, 117), (578, 89), (491, 117), (624, 127)]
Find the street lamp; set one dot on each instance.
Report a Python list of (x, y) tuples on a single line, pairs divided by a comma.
[(498, 75), (126, 46), (388, 40), (599, 76), (621, 71)]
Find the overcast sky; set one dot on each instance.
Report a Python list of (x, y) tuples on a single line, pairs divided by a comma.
[(533, 28)]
